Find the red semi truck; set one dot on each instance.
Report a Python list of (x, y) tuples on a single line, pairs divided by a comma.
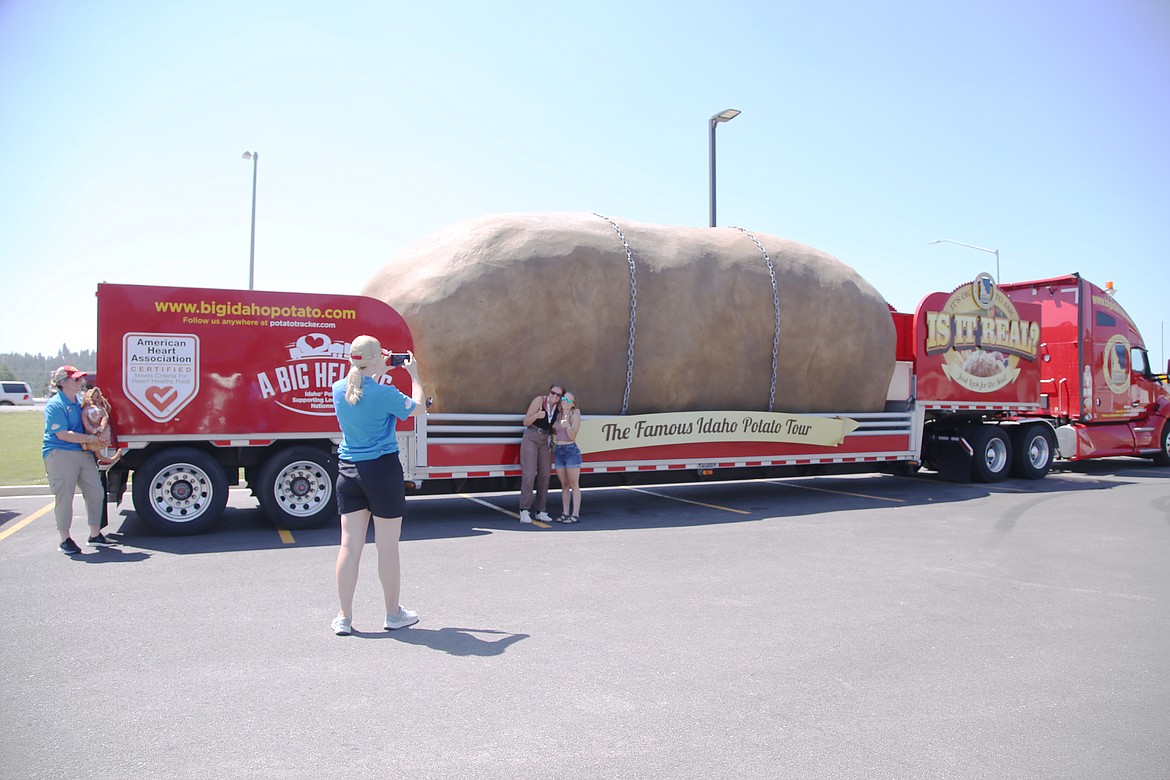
[(989, 380)]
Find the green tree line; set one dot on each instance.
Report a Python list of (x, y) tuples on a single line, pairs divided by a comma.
[(36, 369)]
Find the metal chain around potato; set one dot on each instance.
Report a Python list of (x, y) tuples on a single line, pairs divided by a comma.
[(776, 307), (633, 310)]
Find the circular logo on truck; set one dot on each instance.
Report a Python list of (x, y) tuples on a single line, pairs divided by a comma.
[(1117, 364), (983, 290)]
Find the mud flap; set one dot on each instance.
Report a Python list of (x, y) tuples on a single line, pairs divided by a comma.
[(954, 458), (115, 485)]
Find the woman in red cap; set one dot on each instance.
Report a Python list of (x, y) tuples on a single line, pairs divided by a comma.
[(67, 464)]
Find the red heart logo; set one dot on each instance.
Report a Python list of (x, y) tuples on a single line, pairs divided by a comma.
[(161, 397), (313, 344)]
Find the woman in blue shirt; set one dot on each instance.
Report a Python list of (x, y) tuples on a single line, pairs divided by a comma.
[(369, 476), (67, 465)]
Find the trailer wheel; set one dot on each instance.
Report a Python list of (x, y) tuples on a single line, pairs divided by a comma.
[(1162, 457), (993, 453), (1033, 447), (296, 487), (180, 491)]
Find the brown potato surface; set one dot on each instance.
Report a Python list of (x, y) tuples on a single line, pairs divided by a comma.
[(501, 306)]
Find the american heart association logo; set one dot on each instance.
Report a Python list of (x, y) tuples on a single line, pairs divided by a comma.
[(161, 397)]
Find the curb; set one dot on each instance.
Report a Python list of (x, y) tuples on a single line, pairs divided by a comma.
[(24, 490)]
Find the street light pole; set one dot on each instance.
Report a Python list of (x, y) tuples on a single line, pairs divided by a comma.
[(972, 246), (722, 116), (255, 158)]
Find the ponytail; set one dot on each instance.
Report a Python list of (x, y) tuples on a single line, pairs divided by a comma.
[(353, 386)]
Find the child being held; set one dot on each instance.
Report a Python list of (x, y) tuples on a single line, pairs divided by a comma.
[(95, 416)]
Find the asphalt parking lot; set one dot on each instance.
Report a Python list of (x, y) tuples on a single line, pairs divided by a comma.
[(831, 627)]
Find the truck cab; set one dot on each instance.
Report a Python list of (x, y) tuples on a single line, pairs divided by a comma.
[(1096, 383)]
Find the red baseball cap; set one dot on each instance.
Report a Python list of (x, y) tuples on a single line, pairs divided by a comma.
[(67, 372)]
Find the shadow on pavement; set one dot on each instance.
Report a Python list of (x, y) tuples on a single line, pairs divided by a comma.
[(644, 507), (110, 554), (1110, 467), (453, 641)]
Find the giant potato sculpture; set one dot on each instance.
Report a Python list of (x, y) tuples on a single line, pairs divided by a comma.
[(687, 320)]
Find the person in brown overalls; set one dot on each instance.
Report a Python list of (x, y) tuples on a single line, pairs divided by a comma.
[(536, 452)]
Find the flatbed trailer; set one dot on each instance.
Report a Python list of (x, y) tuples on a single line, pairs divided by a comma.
[(214, 387)]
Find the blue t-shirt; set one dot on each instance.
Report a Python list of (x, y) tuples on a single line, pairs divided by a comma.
[(368, 427), (61, 414)]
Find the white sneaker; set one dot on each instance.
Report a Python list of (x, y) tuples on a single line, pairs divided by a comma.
[(525, 517), (400, 619), (543, 517), (342, 626)]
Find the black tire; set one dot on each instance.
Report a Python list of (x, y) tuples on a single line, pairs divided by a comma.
[(1162, 456), (1033, 449), (180, 491), (296, 488), (993, 453)]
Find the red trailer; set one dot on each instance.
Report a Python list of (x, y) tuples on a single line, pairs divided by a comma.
[(208, 383)]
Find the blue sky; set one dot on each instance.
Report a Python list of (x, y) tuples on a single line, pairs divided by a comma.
[(868, 130)]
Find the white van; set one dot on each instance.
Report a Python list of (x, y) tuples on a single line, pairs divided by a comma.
[(15, 394)]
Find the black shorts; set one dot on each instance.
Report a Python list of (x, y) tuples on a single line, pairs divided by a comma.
[(375, 485)]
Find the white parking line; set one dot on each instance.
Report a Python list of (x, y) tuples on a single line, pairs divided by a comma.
[(502, 511), (686, 500), (836, 492)]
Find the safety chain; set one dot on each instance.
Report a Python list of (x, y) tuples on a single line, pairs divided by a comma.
[(633, 310), (776, 308)]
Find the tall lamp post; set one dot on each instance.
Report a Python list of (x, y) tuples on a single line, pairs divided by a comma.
[(972, 246), (722, 116), (255, 158)]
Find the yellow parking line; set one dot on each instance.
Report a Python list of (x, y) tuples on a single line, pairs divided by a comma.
[(490, 505), (285, 536), (686, 500), (7, 532), (837, 492)]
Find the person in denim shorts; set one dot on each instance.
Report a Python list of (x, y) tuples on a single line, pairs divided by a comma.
[(567, 456)]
